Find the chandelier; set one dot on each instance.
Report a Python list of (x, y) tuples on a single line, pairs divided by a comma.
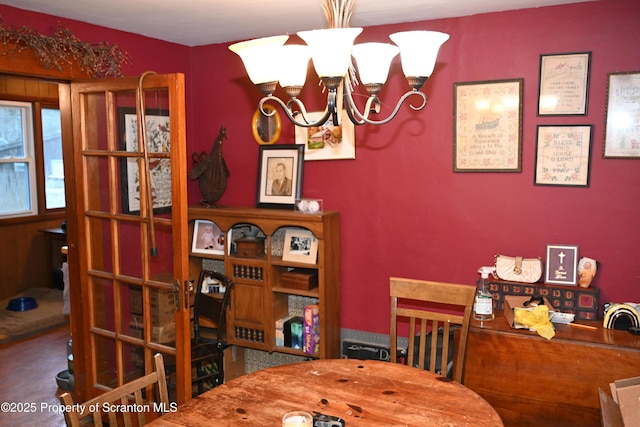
[(268, 61)]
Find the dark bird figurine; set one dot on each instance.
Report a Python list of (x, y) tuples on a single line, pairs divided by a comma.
[(211, 171)]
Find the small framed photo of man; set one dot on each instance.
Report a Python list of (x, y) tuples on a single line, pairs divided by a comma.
[(280, 176)]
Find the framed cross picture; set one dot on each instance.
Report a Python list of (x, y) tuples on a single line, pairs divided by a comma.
[(562, 264)]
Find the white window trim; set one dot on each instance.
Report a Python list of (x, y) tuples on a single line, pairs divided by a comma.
[(27, 132)]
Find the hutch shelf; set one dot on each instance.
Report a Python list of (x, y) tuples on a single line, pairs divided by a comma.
[(261, 297)]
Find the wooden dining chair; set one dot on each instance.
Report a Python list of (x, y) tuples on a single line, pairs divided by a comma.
[(430, 307), (135, 393), (209, 337)]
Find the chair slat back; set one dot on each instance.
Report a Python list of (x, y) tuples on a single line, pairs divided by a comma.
[(210, 312), (440, 296), (127, 394)]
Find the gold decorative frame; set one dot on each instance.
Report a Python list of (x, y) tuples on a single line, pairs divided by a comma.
[(266, 129)]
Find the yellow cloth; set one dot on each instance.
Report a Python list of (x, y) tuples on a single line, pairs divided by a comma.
[(536, 318)]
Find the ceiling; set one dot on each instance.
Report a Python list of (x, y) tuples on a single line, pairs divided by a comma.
[(200, 22)]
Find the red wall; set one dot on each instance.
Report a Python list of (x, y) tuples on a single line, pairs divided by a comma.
[(404, 211)]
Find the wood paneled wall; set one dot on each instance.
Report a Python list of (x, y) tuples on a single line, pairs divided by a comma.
[(29, 88), (25, 261)]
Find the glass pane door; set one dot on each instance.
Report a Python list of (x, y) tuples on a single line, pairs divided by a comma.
[(130, 186)]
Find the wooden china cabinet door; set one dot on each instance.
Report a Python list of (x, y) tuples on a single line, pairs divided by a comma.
[(131, 243)]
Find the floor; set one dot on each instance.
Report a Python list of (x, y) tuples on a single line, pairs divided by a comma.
[(28, 368)]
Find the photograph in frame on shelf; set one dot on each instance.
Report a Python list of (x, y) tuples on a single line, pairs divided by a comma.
[(562, 264), (280, 175), (207, 238), (488, 126), (564, 84), (300, 246), (622, 117), (563, 155), (158, 141), (328, 142)]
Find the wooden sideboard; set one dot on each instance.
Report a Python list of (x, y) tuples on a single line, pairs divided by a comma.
[(535, 382)]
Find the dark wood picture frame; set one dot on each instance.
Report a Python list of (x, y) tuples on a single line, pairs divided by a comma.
[(563, 88), (563, 155), (276, 191), (487, 129)]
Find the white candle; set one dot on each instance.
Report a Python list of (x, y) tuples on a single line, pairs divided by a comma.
[(297, 419)]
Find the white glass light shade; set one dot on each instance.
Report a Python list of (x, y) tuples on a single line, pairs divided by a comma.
[(418, 51), (331, 49), (294, 62), (374, 60), (259, 57)]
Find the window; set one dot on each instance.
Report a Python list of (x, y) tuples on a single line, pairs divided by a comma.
[(52, 156), (20, 144), (17, 163)]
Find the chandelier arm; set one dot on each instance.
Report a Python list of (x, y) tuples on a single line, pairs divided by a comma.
[(300, 109), (361, 119), (351, 108), (292, 115)]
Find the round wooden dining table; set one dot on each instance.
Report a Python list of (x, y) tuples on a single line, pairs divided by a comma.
[(364, 393)]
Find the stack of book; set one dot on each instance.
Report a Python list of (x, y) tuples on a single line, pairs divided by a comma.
[(311, 329), (300, 332)]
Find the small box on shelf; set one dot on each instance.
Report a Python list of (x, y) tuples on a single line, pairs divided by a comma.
[(300, 278)]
